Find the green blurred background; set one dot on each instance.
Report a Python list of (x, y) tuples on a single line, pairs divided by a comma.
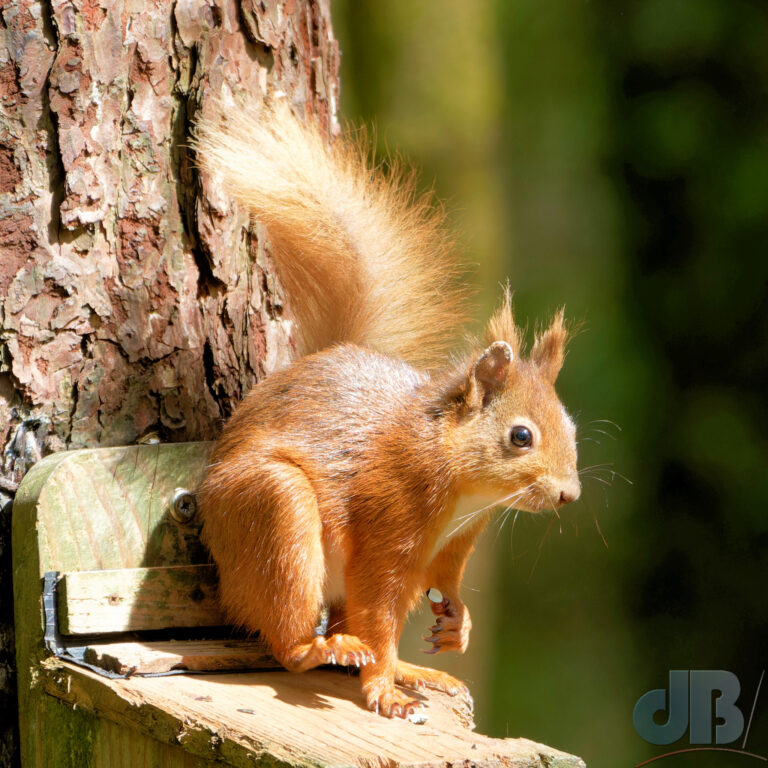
[(612, 157)]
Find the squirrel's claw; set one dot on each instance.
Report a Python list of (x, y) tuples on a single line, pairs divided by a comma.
[(417, 678), (345, 650), (360, 658), (405, 710), (434, 639), (450, 640), (393, 703)]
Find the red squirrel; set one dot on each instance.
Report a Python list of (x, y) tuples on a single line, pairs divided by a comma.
[(334, 484)]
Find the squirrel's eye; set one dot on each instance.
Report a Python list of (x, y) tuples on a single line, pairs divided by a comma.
[(521, 437)]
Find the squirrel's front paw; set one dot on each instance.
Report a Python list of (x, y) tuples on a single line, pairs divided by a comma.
[(450, 632), (390, 702)]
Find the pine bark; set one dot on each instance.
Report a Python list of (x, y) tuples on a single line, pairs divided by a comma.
[(135, 303)]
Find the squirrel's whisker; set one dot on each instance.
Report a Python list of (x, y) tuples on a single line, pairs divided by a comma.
[(603, 432), (468, 517), (503, 519), (598, 479), (599, 530), (512, 532), (541, 546), (604, 468), (604, 421)]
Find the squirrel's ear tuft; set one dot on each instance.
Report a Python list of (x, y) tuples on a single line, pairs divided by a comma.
[(549, 349), (501, 327), (489, 373)]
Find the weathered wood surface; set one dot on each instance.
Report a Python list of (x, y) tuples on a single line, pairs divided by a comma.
[(110, 508), (144, 657), (314, 719), (76, 738), (135, 599), (87, 510)]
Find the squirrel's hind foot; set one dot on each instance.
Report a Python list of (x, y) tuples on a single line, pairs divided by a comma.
[(390, 702), (418, 678), (349, 650), (346, 650)]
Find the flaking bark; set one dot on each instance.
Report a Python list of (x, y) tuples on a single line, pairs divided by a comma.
[(135, 304)]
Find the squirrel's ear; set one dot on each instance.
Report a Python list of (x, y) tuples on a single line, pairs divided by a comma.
[(490, 372), (549, 349)]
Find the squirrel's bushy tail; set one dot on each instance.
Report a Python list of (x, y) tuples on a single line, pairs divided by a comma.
[(362, 256)]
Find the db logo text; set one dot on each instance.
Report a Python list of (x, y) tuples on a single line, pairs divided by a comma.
[(702, 704)]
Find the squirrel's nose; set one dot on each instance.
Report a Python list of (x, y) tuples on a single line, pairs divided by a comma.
[(570, 493)]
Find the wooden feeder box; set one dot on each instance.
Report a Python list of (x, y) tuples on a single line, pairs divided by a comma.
[(124, 659)]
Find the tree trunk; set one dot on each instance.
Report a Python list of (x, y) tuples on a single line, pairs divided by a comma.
[(135, 304)]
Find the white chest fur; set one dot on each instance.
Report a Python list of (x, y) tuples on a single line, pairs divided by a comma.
[(470, 508)]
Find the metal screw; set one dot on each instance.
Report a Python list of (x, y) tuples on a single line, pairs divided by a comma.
[(183, 506)]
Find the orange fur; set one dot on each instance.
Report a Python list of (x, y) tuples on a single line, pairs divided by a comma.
[(352, 459)]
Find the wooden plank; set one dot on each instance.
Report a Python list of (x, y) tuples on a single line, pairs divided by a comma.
[(27, 604), (313, 719), (110, 508), (142, 658), (76, 738), (134, 599)]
